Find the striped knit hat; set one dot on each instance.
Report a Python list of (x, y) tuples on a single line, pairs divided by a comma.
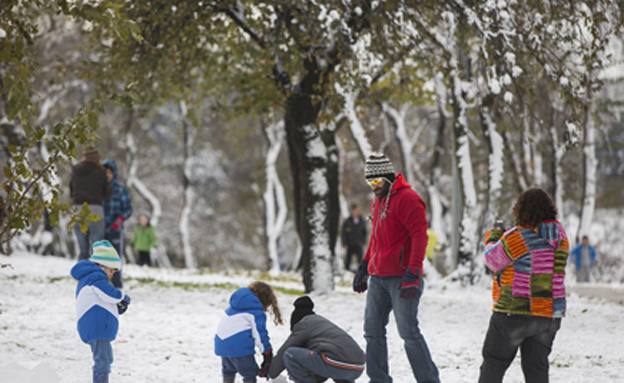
[(378, 166), (91, 154), (105, 254)]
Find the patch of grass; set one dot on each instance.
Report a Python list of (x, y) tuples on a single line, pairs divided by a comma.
[(56, 279), (203, 286)]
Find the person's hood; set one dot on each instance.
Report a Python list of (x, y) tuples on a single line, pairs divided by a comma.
[(84, 168), (551, 231), (245, 299), (85, 267), (113, 165), (399, 183)]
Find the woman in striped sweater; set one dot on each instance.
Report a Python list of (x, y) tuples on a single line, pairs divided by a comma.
[(528, 289)]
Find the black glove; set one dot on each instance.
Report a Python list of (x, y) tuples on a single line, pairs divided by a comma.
[(123, 305), (360, 281), (266, 363)]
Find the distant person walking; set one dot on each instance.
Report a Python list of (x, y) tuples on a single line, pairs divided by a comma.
[(144, 239), (117, 209), (89, 185), (353, 236), (394, 260), (584, 257), (528, 289)]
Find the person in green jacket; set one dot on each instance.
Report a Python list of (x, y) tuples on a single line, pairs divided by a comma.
[(144, 239)]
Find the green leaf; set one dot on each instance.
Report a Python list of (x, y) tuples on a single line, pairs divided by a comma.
[(93, 120)]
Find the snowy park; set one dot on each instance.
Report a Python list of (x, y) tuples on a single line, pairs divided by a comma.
[(167, 335), (214, 143)]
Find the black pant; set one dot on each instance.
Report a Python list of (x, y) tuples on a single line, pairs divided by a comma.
[(533, 335), (353, 250), (144, 258)]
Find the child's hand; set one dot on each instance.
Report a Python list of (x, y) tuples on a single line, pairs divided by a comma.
[(266, 363), (123, 305)]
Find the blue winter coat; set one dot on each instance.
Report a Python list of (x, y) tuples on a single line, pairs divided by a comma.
[(576, 255), (96, 302), (242, 327), (118, 204)]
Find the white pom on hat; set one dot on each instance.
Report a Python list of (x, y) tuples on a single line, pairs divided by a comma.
[(105, 254), (378, 166)]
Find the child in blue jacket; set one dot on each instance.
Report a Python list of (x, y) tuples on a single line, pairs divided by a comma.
[(243, 328), (98, 305)]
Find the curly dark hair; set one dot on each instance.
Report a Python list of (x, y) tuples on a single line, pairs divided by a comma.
[(267, 297), (533, 207)]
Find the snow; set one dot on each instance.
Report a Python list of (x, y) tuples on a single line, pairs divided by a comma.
[(315, 146), (276, 208), (2, 33), (167, 333), (318, 182), (355, 125)]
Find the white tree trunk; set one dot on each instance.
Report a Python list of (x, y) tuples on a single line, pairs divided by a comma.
[(589, 175), (355, 126), (558, 152), (495, 167), (470, 213), (406, 141), (184, 227), (155, 207), (274, 195)]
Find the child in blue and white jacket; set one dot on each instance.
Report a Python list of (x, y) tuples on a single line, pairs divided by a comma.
[(98, 305), (243, 328)]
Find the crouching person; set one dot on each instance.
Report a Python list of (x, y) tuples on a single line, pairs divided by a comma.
[(317, 349), (98, 305)]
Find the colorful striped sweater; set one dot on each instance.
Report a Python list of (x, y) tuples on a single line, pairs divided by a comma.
[(529, 269)]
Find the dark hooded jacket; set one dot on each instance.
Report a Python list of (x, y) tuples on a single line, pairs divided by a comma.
[(89, 184), (321, 335)]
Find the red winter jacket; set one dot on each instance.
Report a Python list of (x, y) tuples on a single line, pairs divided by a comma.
[(399, 240)]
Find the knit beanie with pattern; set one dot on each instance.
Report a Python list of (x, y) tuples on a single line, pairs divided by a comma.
[(91, 154), (379, 166), (105, 254)]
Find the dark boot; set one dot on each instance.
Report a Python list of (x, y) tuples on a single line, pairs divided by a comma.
[(100, 377)]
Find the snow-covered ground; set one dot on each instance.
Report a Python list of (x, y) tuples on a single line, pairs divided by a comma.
[(167, 333)]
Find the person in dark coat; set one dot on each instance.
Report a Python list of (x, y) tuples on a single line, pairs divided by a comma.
[(89, 185), (353, 236), (317, 349)]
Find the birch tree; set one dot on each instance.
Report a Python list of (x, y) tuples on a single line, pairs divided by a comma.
[(274, 195)]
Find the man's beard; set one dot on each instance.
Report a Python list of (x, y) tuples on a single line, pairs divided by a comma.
[(382, 192)]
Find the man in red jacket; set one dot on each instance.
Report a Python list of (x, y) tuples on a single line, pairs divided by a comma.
[(393, 260)]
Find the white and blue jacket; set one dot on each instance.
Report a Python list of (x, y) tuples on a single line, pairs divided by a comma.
[(242, 327), (96, 302)]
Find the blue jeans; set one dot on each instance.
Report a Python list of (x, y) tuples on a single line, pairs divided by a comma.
[(533, 335), (244, 365), (384, 296), (116, 239), (102, 355), (303, 364), (94, 233)]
